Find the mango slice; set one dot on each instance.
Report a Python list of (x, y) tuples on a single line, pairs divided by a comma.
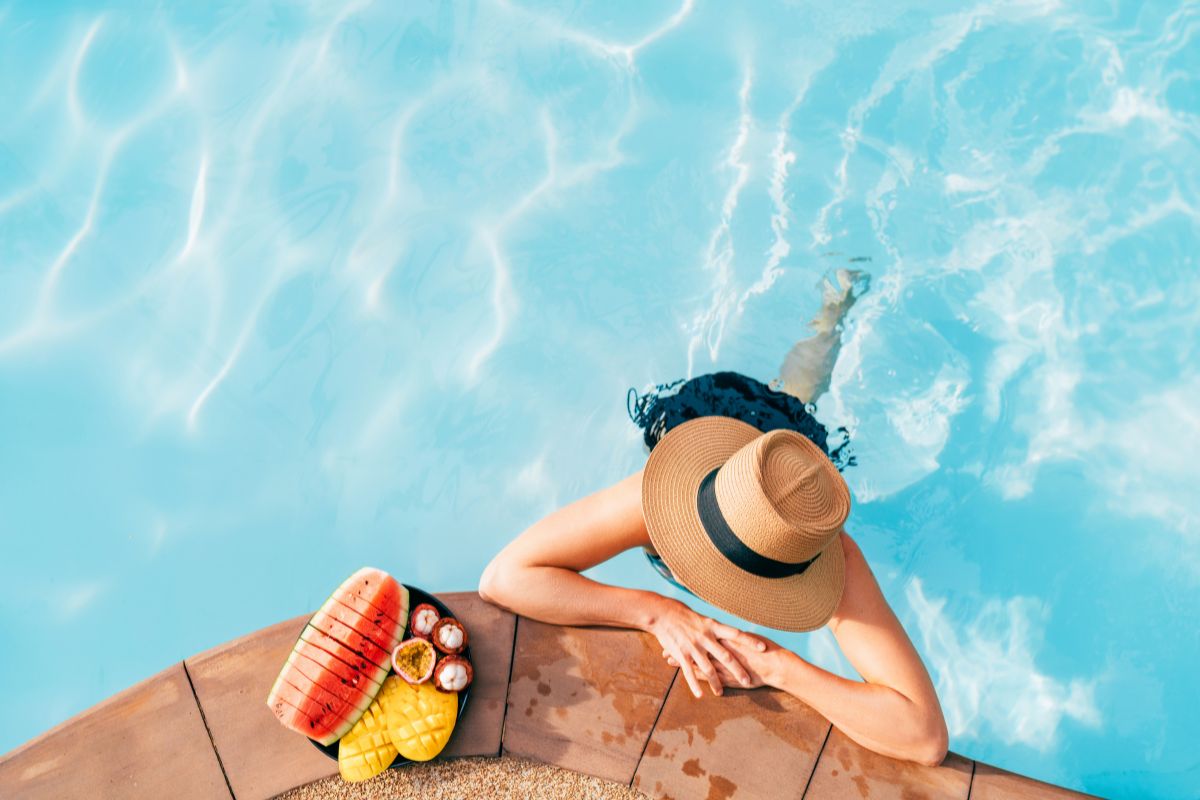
[(420, 719), (366, 750)]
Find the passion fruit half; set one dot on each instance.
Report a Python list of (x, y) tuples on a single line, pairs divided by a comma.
[(414, 659), (449, 635), (452, 674)]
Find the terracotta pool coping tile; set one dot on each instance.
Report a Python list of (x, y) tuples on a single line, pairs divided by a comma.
[(584, 698), (992, 783), (492, 632), (147, 741), (261, 758), (847, 769), (701, 747)]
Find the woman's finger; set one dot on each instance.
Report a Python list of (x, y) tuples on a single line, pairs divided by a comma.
[(723, 631), (705, 668), (728, 660), (726, 677), (689, 674), (738, 635)]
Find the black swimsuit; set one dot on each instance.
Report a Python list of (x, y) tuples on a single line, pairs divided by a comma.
[(729, 394)]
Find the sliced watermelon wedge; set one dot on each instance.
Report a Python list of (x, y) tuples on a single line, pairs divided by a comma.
[(329, 625), (344, 654), (294, 718), (343, 688), (314, 703), (379, 630), (367, 610), (338, 664), (347, 674), (330, 698), (315, 720), (379, 590)]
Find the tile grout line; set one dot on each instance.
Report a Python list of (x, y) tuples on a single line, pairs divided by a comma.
[(816, 761), (512, 657), (653, 726), (207, 730), (971, 783)]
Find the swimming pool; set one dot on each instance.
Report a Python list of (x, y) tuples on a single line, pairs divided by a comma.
[(286, 290)]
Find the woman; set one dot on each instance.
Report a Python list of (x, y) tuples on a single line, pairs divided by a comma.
[(740, 503)]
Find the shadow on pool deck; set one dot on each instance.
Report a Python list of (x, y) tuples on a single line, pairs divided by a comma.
[(595, 700)]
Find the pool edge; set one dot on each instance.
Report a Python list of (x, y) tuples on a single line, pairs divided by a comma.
[(593, 700)]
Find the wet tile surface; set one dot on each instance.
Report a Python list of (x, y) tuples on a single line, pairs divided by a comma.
[(490, 631), (759, 743), (584, 698), (260, 756), (997, 784), (146, 742), (847, 770)]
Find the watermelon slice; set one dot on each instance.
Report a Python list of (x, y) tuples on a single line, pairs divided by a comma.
[(378, 629), (297, 720), (338, 664), (379, 590), (327, 624), (298, 711), (358, 661), (347, 690), (367, 610), (331, 699), (347, 674)]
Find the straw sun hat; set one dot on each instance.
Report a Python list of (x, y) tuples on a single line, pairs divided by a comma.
[(749, 521)]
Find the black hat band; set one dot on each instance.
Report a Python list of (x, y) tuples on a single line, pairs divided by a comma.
[(733, 548)]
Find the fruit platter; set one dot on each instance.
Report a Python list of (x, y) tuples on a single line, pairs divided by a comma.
[(378, 677)]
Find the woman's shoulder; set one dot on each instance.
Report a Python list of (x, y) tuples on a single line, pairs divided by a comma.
[(857, 566), (861, 593), (849, 546)]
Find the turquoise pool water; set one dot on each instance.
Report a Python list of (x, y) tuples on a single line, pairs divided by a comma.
[(289, 289)]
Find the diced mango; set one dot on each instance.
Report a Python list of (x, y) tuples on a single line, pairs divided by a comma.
[(365, 751), (420, 719)]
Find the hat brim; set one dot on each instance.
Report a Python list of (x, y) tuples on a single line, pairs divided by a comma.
[(670, 480)]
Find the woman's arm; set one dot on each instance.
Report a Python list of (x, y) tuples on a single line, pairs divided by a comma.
[(894, 710), (537, 575)]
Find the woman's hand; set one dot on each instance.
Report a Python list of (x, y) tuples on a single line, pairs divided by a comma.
[(701, 646), (758, 655)]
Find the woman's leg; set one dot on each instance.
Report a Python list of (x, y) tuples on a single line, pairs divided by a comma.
[(809, 364)]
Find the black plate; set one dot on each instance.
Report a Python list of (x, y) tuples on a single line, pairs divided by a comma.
[(415, 598)]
